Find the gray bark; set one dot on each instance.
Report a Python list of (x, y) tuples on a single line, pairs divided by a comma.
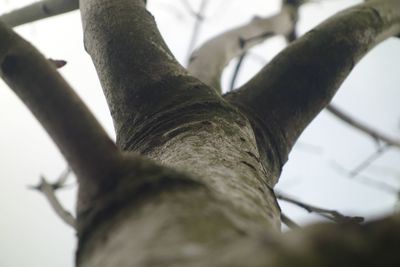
[(190, 182)]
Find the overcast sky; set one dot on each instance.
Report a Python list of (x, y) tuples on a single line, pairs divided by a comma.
[(32, 235)]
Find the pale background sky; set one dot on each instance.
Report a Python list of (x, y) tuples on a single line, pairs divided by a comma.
[(32, 235)]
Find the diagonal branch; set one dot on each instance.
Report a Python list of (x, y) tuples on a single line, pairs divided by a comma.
[(90, 152), (208, 62), (375, 134), (291, 90), (39, 10), (332, 215)]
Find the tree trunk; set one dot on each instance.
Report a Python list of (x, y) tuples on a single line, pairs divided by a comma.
[(190, 180)]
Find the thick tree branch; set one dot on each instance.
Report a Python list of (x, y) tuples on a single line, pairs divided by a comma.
[(290, 91), (375, 134), (39, 10), (139, 75), (208, 62), (167, 115), (158, 108), (90, 152)]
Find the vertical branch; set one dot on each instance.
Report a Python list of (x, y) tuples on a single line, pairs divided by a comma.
[(236, 71), (199, 16)]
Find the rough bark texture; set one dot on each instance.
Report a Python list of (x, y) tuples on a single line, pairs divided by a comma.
[(204, 195), (163, 113)]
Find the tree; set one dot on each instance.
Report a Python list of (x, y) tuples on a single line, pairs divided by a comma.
[(206, 197)]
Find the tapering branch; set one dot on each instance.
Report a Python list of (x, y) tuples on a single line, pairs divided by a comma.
[(39, 10), (332, 215), (139, 75), (375, 134), (208, 62), (48, 190), (89, 151), (291, 90)]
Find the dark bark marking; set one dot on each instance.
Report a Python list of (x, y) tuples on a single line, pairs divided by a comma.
[(253, 156), (249, 165), (45, 9), (10, 64)]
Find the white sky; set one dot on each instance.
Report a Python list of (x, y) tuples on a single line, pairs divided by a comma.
[(32, 235)]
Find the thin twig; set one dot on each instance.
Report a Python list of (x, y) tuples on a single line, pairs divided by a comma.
[(243, 44), (49, 190), (289, 222), (189, 8), (332, 215), (369, 160), (382, 186), (375, 134), (197, 27), (236, 71)]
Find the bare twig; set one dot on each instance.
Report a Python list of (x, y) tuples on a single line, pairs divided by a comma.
[(289, 222), (236, 71), (239, 64), (49, 190), (368, 181), (189, 8), (332, 215), (197, 26), (38, 11), (375, 134), (369, 160)]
